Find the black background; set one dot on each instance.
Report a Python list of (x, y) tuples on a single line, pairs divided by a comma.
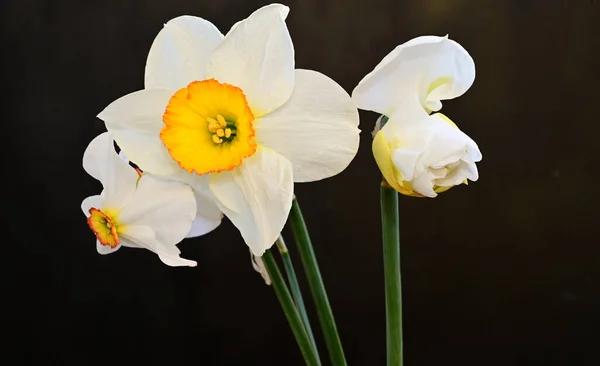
[(502, 272)]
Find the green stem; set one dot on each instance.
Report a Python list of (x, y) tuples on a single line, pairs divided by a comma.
[(317, 288), (295, 289), (391, 266), (287, 304)]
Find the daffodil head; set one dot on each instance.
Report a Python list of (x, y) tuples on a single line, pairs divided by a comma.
[(420, 154), (230, 116), (135, 210)]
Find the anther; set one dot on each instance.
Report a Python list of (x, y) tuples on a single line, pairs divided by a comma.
[(221, 121), (220, 132), (217, 139), (227, 132), (213, 125)]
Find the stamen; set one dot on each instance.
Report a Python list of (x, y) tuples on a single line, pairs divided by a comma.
[(213, 125), (216, 139), (221, 121), (220, 132), (227, 132)]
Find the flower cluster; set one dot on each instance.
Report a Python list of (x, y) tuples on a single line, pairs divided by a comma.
[(224, 125)]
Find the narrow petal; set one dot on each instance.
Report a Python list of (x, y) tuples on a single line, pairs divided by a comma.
[(135, 121), (317, 129), (256, 197), (208, 214), (168, 207), (257, 55), (434, 68), (180, 52), (145, 237), (101, 161)]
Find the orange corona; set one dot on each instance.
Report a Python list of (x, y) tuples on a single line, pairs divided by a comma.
[(208, 127), (104, 227)]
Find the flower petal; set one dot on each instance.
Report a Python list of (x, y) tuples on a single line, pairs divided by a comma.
[(135, 121), (208, 214), (167, 207), (101, 161), (180, 52), (257, 55), (434, 68), (256, 197), (317, 129), (145, 237), (89, 202)]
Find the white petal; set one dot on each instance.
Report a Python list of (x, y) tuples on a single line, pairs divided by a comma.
[(406, 161), (423, 184), (135, 121), (317, 129), (122, 156), (167, 207), (209, 215), (180, 52), (447, 145), (456, 68), (102, 162), (256, 197), (202, 226), (89, 202), (457, 176), (474, 152), (145, 237), (174, 260), (106, 249), (257, 55), (413, 68)]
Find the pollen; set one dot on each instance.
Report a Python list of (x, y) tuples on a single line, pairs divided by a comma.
[(104, 227), (208, 127)]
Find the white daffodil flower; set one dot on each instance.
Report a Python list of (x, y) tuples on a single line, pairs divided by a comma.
[(231, 117), (433, 68), (420, 154), (137, 211), (423, 155)]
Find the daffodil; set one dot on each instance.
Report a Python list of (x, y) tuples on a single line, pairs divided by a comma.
[(133, 210), (230, 116), (420, 154)]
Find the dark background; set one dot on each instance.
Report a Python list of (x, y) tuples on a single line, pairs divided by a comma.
[(502, 272)]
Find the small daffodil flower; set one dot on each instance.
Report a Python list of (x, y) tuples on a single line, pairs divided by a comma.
[(420, 154), (231, 117), (133, 210)]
